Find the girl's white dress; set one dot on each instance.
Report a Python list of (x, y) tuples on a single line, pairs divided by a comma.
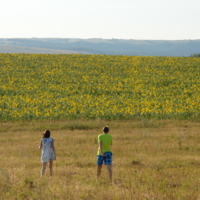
[(47, 151)]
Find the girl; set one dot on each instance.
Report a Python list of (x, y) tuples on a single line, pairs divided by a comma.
[(48, 152)]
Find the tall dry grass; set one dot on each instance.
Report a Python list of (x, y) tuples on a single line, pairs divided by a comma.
[(151, 160)]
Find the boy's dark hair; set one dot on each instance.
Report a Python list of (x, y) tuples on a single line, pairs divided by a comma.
[(105, 129), (46, 134)]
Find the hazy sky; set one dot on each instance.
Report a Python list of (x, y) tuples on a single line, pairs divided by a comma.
[(121, 19)]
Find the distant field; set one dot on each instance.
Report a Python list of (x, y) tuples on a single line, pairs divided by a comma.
[(36, 86), (151, 160), (31, 50)]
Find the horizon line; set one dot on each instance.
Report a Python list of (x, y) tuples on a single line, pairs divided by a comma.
[(93, 38)]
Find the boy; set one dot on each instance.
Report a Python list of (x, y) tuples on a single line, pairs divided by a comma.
[(104, 154)]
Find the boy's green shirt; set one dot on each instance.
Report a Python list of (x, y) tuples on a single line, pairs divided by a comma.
[(106, 140)]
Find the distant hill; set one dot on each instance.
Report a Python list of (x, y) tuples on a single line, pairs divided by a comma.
[(101, 46), (33, 50)]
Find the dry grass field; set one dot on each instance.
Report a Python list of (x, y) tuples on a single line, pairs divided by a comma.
[(151, 160)]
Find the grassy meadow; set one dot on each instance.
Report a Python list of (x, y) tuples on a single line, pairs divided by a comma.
[(151, 160)]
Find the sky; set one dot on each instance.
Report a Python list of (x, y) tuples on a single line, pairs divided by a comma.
[(106, 19)]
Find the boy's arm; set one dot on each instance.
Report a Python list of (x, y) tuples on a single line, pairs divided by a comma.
[(101, 148)]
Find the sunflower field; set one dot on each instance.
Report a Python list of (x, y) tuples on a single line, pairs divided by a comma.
[(49, 86)]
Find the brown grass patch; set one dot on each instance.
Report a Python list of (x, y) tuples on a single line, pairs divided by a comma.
[(151, 160)]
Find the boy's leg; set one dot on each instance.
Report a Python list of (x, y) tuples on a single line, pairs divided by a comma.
[(99, 165), (109, 167), (51, 167), (99, 170), (108, 162), (43, 168)]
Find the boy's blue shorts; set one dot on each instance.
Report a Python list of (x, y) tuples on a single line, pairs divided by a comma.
[(107, 160)]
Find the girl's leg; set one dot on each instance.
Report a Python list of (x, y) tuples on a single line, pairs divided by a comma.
[(43, 168), (51, 167)]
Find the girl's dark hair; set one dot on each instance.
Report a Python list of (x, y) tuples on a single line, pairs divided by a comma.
[(46, 134), (105, 129)]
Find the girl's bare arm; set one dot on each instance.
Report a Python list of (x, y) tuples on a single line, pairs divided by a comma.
[(40, 146), (53, 147)]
